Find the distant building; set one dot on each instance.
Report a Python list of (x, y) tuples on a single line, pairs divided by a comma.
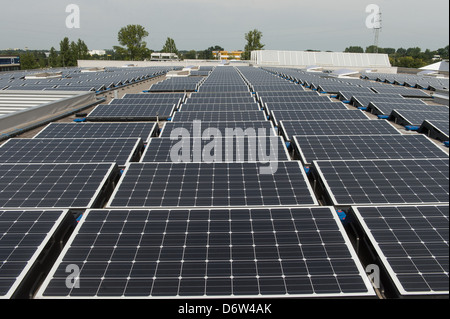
[(9, 63), (97, 52), (161, 56), (228, 55)]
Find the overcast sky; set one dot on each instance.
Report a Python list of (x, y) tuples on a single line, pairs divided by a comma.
[(198, 24)]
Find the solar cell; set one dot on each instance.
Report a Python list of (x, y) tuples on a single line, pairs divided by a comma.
[(412, 243), (225, 149), (220, 100), (311, 148), (25, 240), (54, 185), (99, 130), (120, 151), (172, 185), (385, 182), (357, 127), (227, 253)]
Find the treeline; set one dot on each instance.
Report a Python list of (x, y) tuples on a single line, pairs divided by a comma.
[(406, 58), (66, 56)]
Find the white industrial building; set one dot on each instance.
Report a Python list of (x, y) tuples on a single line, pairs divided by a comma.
[(330, 60)]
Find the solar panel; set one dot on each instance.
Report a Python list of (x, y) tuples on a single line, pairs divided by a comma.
[(220, 107), (220, 94), (225, 149), (357, 127), (312, 148), (25, 241), (153, 102), (385, 182), (295, 99), (365, 100), (224, 88), (301, 106), (172, 185), (408, 117), (220, 100), (436, 129), (387, 108), (406, 92), (157, 96), (412, 244), (228, 253), (99, 130), (54, 185), (197, 129), (120, 151), (315, 115), (219, 116), (123, 112)]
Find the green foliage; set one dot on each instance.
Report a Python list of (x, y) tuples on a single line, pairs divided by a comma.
[(28, 61), (354, 49), (170, 46), (132, 37), (253, 43)]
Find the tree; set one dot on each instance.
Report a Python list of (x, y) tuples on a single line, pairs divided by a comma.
[(132, 36), (354, 49), (401, 52), (28, 61), (191, 55), (253, 43), (443, 52), (53, 58), (373, 49), (64, 49), (83, 51), (414, 52), (170, 46)]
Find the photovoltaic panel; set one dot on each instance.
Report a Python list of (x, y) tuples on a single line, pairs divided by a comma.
[(120, 151), (301, 106), (157, 96), (312, 148), (407, 117), (412, 243), (365, 100), (219, 116), (24, 236), (315, 115), (220, 94), (294, 99), (228, 253), (357, 127), (406, 92), (225, 149), (224, 88), (387, 108), (198, 128), (219, 107), (436, 129), (158, 102), (385, 182), (98, 130), (176, 185), (122, 112), (53, 185), (220, 100)]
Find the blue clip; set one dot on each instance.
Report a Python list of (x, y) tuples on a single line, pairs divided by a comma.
[(362, 108), (412, 128), (446, 143), (383, 117), (79, 120), (342, 215), (307, 170)]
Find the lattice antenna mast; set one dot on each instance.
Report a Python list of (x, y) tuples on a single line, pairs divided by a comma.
[(377, 28)]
